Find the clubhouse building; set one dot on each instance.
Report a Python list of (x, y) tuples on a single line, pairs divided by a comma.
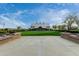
[(40, 26), (46, 26)]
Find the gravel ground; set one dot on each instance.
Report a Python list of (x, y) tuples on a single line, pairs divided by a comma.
[(40, 46)]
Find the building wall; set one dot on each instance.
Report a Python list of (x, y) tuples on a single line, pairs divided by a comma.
[(37, 25)]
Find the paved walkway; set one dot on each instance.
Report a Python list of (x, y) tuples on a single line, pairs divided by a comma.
[(40, 46)]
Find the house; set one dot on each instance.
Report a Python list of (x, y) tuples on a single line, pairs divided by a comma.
[(40, 26)]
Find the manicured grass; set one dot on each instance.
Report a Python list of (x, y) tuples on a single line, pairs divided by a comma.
[(40, 33)]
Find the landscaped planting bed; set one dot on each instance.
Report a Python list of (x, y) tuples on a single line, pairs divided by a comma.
[(71, 36), (10, 37)]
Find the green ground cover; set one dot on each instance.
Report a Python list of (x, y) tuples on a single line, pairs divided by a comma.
[(41, 33)]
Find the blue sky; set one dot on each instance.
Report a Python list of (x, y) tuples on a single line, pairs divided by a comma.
[(20, 14)]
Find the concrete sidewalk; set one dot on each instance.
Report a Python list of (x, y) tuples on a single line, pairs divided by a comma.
[(40, 46)]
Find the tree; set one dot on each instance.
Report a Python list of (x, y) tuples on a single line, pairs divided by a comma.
[(54, 27), (18, 28), (70, 20), (77, 20)]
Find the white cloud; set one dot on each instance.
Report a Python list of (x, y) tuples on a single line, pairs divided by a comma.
[(11, 22), (53, 16)]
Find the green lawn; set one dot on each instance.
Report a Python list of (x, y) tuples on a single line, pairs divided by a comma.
[(41, 33)]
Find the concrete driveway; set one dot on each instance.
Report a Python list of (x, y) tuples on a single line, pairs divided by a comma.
[(40, 46)]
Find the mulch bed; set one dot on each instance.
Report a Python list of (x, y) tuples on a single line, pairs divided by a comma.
[(70, 36), (10, 38)]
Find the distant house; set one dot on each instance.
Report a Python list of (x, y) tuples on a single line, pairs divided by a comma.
[(40, 26)]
